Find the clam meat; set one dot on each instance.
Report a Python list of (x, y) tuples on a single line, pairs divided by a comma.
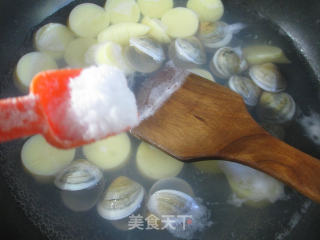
[(227, 62), (217, 34), (187, 52), (144, 54), (79, 175), (267, 77), (276, 107), (180, 207), (246, 88), (122, 198)]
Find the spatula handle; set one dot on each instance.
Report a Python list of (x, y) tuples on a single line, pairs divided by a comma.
[(20, 117), (272, 156)]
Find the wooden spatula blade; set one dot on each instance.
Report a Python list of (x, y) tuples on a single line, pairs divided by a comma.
[(201, 118), (205, 120)]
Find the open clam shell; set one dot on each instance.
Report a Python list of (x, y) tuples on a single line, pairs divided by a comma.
[(179, 208), (246, 88), (227, 62), (218, 34), (144, 54), (214, 34), (123, 197), (79, 175), (171, 202), (276, 107), (173, 183), (187, 52), (83, 200), (268, 77)]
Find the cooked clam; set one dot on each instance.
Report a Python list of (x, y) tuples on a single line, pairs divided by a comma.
[(172, 183), (187, 52), (267, 77), (144, 54), (79, 175), (180, 207), (227, 62), (246, 88), (217, 34), (276, 107), (171, 202), (83, 200), (123, 197)]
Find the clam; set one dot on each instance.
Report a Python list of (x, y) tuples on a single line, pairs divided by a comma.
[(187, 52), (171, 202), (227, 62), (267, 77), (144, 54), (172, 183), (217, 34), (79, 175), (178, 207), (276, 107), (246, 88), (83, 200), (122, 198)]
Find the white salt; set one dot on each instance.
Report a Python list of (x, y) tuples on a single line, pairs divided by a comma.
[(101, 102)]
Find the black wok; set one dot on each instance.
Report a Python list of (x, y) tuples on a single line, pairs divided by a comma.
[(30, 211)]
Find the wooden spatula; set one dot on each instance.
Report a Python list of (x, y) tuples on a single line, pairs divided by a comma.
[(205, 120)]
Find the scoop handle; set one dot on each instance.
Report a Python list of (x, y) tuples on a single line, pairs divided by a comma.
[(20, 117), (272, 156)]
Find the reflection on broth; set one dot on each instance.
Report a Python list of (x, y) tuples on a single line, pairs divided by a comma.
[(139, 39)]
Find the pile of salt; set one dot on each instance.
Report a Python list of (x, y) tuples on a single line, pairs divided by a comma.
[(101, 102)]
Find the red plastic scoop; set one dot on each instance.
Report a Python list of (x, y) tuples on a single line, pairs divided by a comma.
[(43, 111)]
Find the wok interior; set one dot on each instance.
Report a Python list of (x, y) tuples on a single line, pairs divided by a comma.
[(41, 203)]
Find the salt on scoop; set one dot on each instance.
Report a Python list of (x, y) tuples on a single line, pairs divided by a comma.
[(101, 102)]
